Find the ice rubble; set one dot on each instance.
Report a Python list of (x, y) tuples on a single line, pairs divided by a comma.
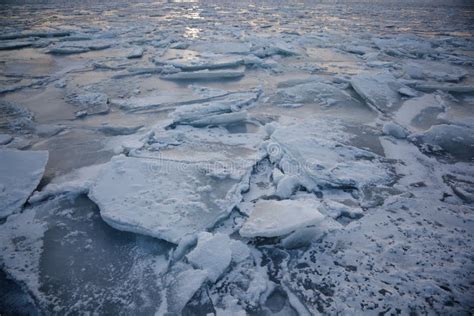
[(276, 218), (164, 198), (20, 174)]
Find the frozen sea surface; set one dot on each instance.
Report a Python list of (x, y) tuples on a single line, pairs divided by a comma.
[(236, 158)]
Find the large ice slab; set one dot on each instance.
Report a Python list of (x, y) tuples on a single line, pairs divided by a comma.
[(272, 218), (20, 173), (424, 69), (163, 198), (379, 90)]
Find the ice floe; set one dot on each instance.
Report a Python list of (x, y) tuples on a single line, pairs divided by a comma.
[(21, 172), (379, 90)]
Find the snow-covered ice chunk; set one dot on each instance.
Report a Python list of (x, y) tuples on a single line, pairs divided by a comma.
[(424, 69), (205, 75), (20, 174), (277, 218), (395, 130), (211, 254), (164, 199), (379, 90)]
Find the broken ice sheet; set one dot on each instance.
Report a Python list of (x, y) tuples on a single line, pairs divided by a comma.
[(277, 218), (20, 173), (163, 198), (314, 161)]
